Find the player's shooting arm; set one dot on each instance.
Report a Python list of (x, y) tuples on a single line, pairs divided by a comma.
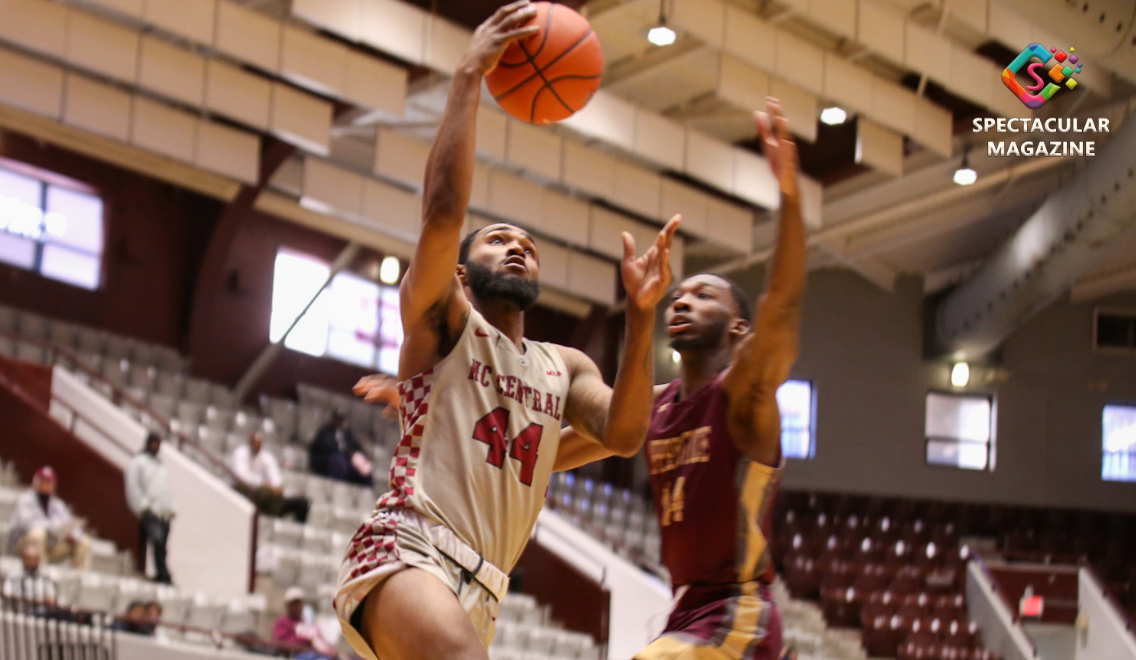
[(764, 358), (429, 284), (617, 418)]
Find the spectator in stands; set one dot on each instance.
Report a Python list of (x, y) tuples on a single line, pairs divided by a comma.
[(293, 630), (43, 520), (337, 454), (148, 494), (258, 478), (136, 619), (29, 591)]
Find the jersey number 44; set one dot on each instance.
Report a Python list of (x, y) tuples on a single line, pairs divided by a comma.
[(491, 428)]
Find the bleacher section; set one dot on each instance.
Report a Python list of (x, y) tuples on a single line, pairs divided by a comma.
[(896, 568)]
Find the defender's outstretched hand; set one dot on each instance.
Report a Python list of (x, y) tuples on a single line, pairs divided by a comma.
[(778, 145), (497, 32), (379, 388), (647, 278)]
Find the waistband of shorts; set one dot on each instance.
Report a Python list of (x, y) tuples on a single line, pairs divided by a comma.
[(697, 595), (447, 542)]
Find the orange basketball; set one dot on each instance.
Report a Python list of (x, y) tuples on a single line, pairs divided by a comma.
[(546, 77)]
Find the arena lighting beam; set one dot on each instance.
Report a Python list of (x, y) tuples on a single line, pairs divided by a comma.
[(1062, 241), (272, 351)]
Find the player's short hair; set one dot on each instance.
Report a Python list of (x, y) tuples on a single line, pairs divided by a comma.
[(741, 298), (467, 242)]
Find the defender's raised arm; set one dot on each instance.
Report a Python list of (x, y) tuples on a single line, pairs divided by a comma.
[(764, 358)]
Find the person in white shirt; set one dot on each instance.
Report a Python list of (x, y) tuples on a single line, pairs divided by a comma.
[(29, 591), (258, 478), (148, 495), (42, 520)]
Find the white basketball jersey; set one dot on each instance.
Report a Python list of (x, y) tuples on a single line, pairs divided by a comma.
[(480, 432)]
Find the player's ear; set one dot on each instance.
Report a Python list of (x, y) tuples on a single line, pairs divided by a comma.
[(461, 275), (739, 328)]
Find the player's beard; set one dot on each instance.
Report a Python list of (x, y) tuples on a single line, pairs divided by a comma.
[(487, 285), (711, 338)]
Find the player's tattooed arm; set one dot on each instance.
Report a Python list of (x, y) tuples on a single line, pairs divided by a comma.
[(430, 286), (618, 417), (576, 450), (764, 359)]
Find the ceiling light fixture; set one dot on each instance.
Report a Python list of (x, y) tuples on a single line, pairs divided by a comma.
[(960, 374), (389, 270), (833, 116), (661, 35), (964, 175)]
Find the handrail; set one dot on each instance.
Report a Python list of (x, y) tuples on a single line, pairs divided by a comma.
[(980, 563), (108, 619), (120, 395), (1129, 622)]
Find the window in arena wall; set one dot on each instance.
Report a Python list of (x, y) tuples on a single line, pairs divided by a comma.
[(796, 400), (960, 430), (48, 227), (354, 319), (1118, 440)]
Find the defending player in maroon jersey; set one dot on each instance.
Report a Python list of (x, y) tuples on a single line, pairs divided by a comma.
[(714, 446)]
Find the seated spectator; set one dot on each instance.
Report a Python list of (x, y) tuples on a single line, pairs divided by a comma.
[(291, 629), (41, 519), (29, 591), (337, 454), (136, 620), (258, 478)]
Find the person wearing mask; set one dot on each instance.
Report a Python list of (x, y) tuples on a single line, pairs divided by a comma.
[(148, 494), (292, 629), (29, 591), (337, 454), (258, 478), (43, 520)]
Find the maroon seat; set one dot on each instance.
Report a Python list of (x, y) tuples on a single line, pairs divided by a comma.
[(915, 532), (875, 613), (927, 555), (883, 636), (909, 579), (841, 606), (917, 646), (836, 573), (873, 577), (949, 606), (801, 577), (868, 551)]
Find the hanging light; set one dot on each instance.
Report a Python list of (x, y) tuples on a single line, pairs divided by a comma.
[(964, 175), (960, 374), (389, 270), (833, 116), (661, 35)]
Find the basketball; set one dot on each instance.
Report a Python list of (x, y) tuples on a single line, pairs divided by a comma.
[(551, 75)]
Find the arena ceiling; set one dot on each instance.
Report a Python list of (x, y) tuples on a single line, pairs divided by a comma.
[(882, 224)]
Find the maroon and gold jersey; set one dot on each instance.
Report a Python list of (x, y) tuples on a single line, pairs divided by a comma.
[(714, 503)]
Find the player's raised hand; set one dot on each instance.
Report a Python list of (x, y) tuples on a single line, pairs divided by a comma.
[(778, 145), (647, 278), (505, 26), (379, 388)]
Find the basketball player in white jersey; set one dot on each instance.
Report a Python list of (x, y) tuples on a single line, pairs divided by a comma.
[(481, 407)]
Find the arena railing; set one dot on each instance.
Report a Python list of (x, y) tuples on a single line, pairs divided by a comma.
[(51, 631), (57, 355), (67, 358)]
